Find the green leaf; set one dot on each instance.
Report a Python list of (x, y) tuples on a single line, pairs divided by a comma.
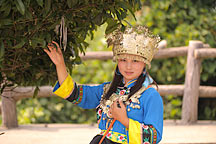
[(4, 22), (139, 4), (20, 45), (123, 13), (85, 44), (126, 5), (27, 3), (78, 60), (47, 6), (98, 19), (53, 26), (40, 2), (7, 11), (123, 27), (36, 92), (28, 14), (20, 6), (3, 7), (118, 15), (112, 25), (69, 3), (38, 42), (2, 50), (2, 2)]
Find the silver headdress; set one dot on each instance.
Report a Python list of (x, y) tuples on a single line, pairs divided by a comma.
[(137, 41)]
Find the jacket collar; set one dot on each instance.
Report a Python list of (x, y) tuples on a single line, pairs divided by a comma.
[(146, 83)]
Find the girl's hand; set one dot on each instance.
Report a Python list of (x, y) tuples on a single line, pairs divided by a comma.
[(57, 58), (54, 53), (119, 113)]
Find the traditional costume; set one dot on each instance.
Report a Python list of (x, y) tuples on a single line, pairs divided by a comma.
[(144, 108)]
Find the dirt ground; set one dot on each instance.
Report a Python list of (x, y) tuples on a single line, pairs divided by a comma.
[(203, 132)]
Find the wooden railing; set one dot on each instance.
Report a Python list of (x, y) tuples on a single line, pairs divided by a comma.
[(191, 90)]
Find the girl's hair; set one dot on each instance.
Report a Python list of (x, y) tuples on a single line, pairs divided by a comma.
[(115, 83), (117, 80), (137, 85)]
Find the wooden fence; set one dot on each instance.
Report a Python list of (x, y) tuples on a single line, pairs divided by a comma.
[(191, 90)]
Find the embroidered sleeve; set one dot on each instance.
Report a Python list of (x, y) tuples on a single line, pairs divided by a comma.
[(141, 134), (153, 111), (90, 96), (85, 96), (65, 89), (77, 95), (69, 90)]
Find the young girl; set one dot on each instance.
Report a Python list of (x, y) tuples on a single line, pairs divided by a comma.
[(129, 109)]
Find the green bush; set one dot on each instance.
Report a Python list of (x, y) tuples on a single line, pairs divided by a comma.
[(178, 22), (52, 110)]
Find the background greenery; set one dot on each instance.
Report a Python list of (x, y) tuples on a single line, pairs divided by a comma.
[(27, 26), (178, 22), (175, 21)]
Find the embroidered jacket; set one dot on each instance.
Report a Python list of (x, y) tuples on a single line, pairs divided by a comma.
[(145, 111)]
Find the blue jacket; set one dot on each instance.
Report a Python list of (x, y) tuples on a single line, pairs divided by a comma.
[(145, 121)]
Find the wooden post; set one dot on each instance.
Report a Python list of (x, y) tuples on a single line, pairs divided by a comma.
[(9, 114), (0, 108), (192, 82)]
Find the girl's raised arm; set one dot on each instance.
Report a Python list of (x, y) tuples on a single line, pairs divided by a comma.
[(57, 58)]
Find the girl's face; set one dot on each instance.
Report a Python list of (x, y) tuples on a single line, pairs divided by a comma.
[(130, 69)]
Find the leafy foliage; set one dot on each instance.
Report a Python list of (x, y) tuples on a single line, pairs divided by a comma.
[(178, 22), (26, 26), (57, 111), (207, 109)]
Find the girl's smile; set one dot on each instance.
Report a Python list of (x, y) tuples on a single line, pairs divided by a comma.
[(130, 69)]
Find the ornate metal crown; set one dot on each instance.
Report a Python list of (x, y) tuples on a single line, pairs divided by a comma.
[(137, 41)]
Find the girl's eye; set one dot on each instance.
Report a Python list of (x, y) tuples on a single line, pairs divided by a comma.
[(135, 61), (122, 60)]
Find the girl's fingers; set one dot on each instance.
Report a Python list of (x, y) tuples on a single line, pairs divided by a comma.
[(57, 45), (48, 52), (50, 47), (45, 50), (49, 44), (118, 104), (114, 103), (59, 50), (121, 103)]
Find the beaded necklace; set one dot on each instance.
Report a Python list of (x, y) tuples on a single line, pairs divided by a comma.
[(121, 94)]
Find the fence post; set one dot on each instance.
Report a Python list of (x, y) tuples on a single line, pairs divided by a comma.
[(191, 86), (9, 113)]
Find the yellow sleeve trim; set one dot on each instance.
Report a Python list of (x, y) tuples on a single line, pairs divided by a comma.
[(134, 132), (66, 88)]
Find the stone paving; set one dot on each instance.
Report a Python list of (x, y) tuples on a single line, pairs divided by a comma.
[(203, 132)]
